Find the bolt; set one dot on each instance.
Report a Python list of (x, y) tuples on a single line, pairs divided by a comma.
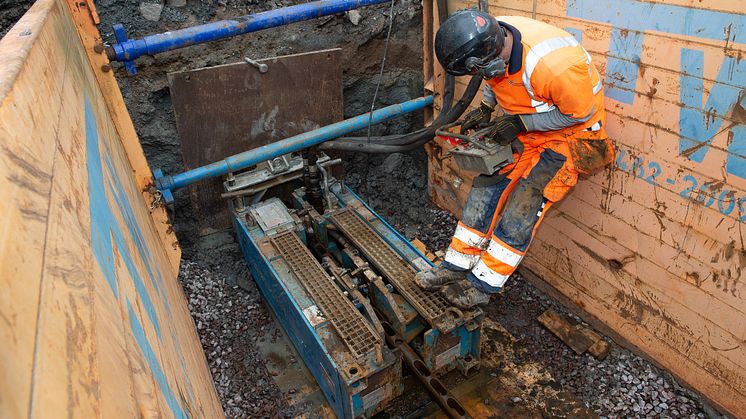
[(106, 68), (261, 66), (98, 48)]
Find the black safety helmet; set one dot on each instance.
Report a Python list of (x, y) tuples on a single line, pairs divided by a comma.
[(467, 34)]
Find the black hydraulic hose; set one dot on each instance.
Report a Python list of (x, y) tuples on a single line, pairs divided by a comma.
[(413, 140)]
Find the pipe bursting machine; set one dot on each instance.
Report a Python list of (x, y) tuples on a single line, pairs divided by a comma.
[(339, 279)]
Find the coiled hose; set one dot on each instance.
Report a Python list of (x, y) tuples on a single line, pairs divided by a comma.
[(407, 142)]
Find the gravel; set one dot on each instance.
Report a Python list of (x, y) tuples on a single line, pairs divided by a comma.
[(10, 12), (622, 385), (228, 319)]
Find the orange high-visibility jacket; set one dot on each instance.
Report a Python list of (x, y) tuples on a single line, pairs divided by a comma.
[(556, 72)]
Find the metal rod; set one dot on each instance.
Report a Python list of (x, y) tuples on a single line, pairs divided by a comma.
[(449, 404), (127, 50), (289, 145)]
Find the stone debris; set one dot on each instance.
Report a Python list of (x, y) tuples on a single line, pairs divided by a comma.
[(354, 16), (228, 319), (621, 385), (151, 10)]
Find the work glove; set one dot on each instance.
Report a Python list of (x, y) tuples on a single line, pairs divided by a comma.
[(505, 129), (477, 118)]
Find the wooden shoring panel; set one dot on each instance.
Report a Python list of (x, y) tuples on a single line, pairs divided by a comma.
[(227, 109), (653, 246), (94, 320)]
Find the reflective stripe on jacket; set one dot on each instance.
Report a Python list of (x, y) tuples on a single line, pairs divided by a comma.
[(556, 72)]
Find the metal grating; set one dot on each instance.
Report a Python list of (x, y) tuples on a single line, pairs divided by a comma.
[(349, 323), (429, 304)]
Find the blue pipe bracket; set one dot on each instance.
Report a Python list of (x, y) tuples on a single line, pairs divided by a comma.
[(128, 50), (168, 183)]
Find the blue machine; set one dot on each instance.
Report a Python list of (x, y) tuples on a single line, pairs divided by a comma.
[(334, 276), (338, 277)]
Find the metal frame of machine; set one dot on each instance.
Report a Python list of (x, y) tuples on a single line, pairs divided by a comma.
[(339, 279)]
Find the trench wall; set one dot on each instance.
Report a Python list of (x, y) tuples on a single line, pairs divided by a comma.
[(92, 318), (653, 247)]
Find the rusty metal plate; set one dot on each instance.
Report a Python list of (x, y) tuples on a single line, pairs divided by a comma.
[(227, 109)]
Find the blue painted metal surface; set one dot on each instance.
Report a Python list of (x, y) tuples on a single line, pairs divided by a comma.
[(290, 315), (127, 50), (167, 183), (434, 342)]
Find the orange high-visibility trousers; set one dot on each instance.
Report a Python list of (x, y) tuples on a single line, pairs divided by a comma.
[(499, 221)]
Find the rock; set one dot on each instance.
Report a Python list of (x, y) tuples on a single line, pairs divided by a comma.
[(151, 10), (176, 3), (392, 163), (354, 17)]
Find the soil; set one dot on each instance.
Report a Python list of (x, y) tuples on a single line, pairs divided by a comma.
[(10, 12), (230, 318)]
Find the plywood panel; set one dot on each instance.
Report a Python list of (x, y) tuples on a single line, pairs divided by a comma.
[(653, 246), (95, 323), (227, 109)]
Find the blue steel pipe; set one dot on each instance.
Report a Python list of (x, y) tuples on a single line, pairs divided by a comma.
[(240, 161), (127, 50)]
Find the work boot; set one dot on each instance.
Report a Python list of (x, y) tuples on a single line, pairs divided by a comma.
[(436, 277), (464, 295)]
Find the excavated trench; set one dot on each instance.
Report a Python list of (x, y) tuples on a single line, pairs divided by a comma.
[(233, 321)]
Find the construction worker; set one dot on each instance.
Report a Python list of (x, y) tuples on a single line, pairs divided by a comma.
[(552, 103)]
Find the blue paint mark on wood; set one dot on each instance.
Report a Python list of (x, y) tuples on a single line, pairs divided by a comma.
[(623, 65), (736, 164), (155, 366), (701, 121), (577, 33), (646, 16), (104, 225), (107, 235)]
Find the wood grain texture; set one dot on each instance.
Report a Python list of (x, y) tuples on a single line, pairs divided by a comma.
[(227, 109), (653, 246), (94, 320)]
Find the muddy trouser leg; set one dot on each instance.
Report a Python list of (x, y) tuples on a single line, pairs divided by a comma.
[(472, 233), (518, 222)]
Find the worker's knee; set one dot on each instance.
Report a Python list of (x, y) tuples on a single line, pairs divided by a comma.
[(480, 206), (520, 216)]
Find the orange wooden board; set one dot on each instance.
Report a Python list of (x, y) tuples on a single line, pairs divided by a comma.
[(654, 245)]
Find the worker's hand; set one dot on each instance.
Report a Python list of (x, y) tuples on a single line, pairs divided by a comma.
[(505, 129), (478, 118)]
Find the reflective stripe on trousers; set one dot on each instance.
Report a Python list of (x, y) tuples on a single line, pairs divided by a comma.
[(497, 263), (466, 246), (516, 208)]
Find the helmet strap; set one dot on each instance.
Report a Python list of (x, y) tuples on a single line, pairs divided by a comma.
[(490, 70)]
